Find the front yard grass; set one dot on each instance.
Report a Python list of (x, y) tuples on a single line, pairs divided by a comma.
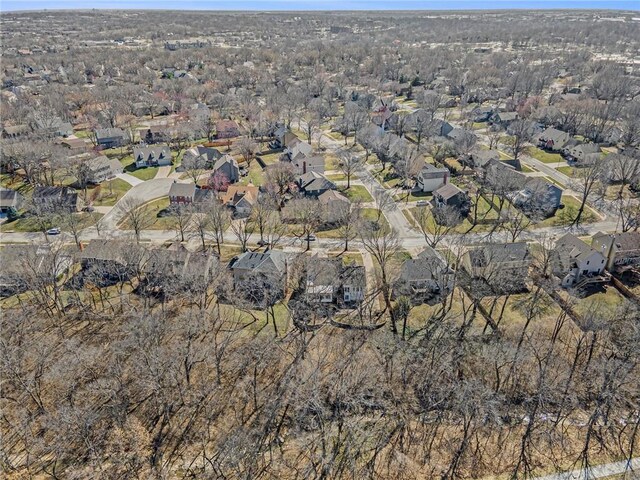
[(146, 173), (30, 224), (569, 171), (545, 157), (567, 215), (357, 193), (108, 193)]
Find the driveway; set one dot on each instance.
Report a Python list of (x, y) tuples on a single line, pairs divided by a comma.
[(144, 192), (130, 179)]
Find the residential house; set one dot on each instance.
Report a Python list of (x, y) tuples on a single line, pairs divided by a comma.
[(228, 166), (110, 137), (555, 140), (440, 128), (201, 155), (503, 266), (55, 199), (482, 114), (431, 178), (240, 198), (296, 148), (105, 261), (314, 184), (260, 277), (450, 195), (10, 201), (621, 250), (75, 145), (334, 205), (177, 269), (304, 164), (353, 283), (182, 193), (504, 119), (576, 263), (53, 126), (199, 112), (227, 129), (583, 154), (22, 263), (157, 156), (424, 278), (480, 159), (102, 168), (156, 134), (15, 131), (537, 197)]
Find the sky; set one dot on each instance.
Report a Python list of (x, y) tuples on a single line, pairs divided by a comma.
[(9, 5)]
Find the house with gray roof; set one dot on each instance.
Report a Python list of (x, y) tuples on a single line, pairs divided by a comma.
[(55, 199), (10, 201), (260, 277), (204, 157), (102, 168), (450, 195), (431, 178), (110, 137), (182, 193), (555, 140), (621, 250), (331, 281), (503, 266), (227, 166), (314, 184), (424, 279), (576, 263), (583, 154), (156, 156)]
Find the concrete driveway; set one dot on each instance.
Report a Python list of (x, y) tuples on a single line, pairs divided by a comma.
[(144, 192)]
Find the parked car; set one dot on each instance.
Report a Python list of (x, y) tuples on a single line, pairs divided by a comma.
[(422, 203), (88, 208), (310, 238), (263, 243), (53, 231)]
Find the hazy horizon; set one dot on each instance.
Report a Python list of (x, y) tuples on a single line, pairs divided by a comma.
[(314, 5)]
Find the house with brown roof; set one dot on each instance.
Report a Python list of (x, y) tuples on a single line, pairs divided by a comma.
[(227, 129), (334, 205), (240, 198)]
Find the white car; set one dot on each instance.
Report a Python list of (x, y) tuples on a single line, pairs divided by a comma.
[(422, 203), (53, 231)]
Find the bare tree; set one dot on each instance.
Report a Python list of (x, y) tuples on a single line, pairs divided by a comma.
[(586, 179), (181, 215), (348, 163), (383, 246), (136, 214), (242, 228), (219, 219), (247, 148)]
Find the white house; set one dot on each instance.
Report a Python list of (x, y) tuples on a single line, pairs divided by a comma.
[(432, 178)]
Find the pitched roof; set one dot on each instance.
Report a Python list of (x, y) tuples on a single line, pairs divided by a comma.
[(235, 193), (109, 133), (573, 247), (332, 196), (448, 191), (8, 197), (261, 262), (182, 189), (224, 160), (497, 253)]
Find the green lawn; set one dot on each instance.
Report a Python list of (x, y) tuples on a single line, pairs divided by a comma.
[(526, 169), (569, 171), (357, 193), (109, 192), (567, 215), (146, 173), (371, 214), (543, 156), (255, 176), (413, 196), (153, 208), (30, 224), (271, 158), (339, 176)]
